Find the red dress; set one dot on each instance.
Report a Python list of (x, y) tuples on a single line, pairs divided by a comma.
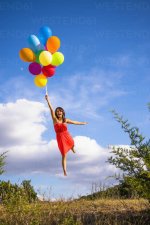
[(64, 140)]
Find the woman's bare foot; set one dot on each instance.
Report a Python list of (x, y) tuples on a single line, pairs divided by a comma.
[(73, 150), (65, 174)]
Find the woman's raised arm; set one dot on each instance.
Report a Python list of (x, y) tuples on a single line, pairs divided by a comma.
[(50, 107)]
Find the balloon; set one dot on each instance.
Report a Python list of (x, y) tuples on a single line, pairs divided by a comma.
[(34, 43), (27, 55), (42, 55), (53, 44), (48, 71), (44, 33), (35, 68), (57, 59), (37, 56), (40, 81), (45, 58)]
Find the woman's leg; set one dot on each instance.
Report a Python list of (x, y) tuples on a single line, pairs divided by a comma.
[(64, 163)]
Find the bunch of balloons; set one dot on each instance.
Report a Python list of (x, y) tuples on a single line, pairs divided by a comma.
[(43, 55)]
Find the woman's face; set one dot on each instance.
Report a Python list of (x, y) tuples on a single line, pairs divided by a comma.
[(59, 113)]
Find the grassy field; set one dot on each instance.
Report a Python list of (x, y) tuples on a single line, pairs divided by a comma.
[(78, 212)]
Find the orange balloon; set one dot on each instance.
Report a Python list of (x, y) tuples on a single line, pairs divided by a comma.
[(53, 44), (27, 55)]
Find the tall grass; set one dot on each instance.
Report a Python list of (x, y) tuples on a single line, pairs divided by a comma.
[(77, 212)]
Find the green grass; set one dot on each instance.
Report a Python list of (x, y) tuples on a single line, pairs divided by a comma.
[(77, 212)]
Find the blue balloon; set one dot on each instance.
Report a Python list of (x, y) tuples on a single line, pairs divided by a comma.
[(44, 33), (34, 43)]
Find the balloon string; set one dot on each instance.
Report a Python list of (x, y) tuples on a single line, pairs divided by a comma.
[(46, 90)]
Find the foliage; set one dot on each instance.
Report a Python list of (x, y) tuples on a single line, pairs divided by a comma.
[(13, 194), (29, 190), (134, 161), (2, 163)]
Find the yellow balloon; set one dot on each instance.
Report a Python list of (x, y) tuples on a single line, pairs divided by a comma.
[(45, 58), (27, 55), (57, 59), (40, 80)]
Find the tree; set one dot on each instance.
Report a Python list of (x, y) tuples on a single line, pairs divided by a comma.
[(133, 161), (2, 162), (31, 194), (15, 194)]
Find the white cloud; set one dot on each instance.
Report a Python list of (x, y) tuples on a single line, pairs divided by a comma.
[(21, 122)]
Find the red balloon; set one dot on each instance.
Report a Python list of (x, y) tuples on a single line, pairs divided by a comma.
[(48, 71)]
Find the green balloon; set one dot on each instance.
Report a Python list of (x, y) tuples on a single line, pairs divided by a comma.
[(57, 59), (37, 56)]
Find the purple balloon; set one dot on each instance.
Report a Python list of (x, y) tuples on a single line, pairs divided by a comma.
[(35, 68)]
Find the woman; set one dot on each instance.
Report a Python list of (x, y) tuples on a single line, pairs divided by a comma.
[(64, 139)]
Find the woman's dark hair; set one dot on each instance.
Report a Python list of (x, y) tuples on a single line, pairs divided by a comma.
[(63, 111)]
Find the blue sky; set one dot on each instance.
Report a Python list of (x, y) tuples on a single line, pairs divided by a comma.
[(107, 66)]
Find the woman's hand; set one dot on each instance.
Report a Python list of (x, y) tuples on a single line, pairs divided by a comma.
[(46, 97)]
